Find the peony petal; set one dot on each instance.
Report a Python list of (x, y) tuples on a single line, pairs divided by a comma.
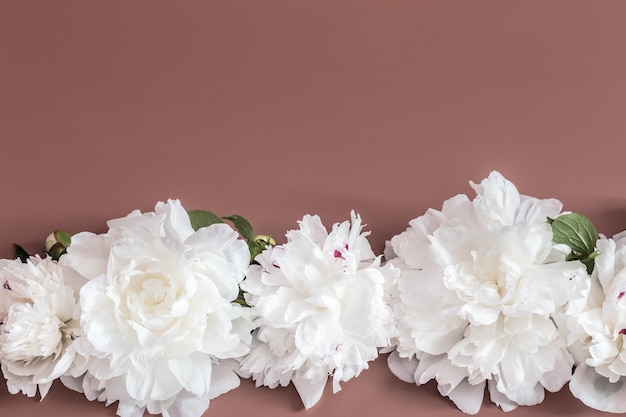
[(403, 368), (193, 372), (136, 220), (597, 392), (151, 379), (129, 410), (44, 388), (177, 223), (73, 383), (63, 364), (499, 398), (534, 210), (187, 405), (312, 228), (310, 392), (555, 379), (499, 197), (223, 378), (527, 396), (468, 398)]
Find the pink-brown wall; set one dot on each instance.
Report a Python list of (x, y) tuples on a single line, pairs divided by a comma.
[(274, 109)]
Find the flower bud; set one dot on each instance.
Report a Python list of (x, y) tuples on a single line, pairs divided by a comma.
[(267, 240), (57, 243)]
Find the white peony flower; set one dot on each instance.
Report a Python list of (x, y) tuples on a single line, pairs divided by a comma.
[(37, 324), (321, 307), (481, 293), (159, 320), (599, 332)]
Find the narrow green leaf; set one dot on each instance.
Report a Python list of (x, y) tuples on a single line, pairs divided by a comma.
[(203, 218), (243, 226), (255, 249), (20, 253), (577, 232), (241, 299), (590, 263)]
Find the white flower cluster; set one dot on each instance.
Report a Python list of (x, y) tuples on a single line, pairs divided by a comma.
[(599, 332), (476, 296), (38, 324), (483, 296), (153, 324), (320, 301)]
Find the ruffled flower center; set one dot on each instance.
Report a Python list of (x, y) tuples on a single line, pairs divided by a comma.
[(151, 290), (483, 284), (31, 333)]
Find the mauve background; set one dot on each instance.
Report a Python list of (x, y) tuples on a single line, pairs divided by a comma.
[(274, 109)]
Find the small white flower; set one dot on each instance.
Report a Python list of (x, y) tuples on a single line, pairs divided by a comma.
[(321, 307), (599, 332), (37, 324), (481, 293), (158, 314)]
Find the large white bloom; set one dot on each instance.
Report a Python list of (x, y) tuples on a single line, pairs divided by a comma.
[(321, 306), (599, 332), (37, 324), (158, 314), (481, 292)]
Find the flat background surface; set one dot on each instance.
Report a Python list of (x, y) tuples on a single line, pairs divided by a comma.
[(275, 109)]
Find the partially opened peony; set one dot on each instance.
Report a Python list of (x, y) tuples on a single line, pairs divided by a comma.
[(321, 306), (159, 320), (481, 293), (38, 324), (599, 332)]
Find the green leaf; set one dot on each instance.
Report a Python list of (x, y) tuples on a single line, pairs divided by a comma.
[(203, 218), (243, 226), (20, 253), (241, 299), (258, 245), (255, 249), (576, 231)]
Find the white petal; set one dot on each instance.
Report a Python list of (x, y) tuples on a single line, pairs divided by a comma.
[(44, 388), (403, 368), (153, 381), (129, 410), (310, 392), (223, 378), (499, 197), (73, 383), (177, 223), (527, 396), (499, 398), (555, 380), (187, 405), (597, 392), (193, 372), (468, 398)]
